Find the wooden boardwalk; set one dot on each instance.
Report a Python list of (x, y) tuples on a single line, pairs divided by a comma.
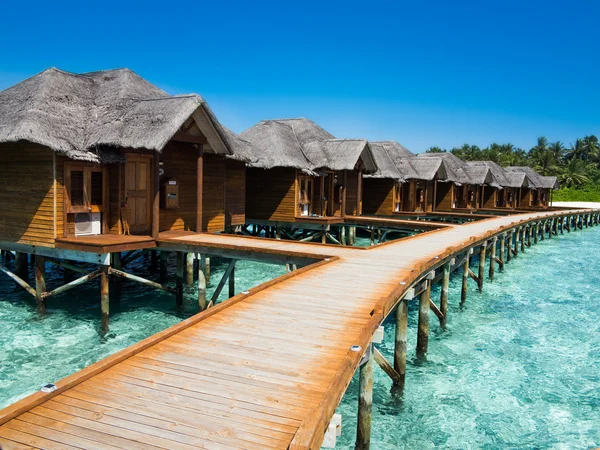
[(265, 369)]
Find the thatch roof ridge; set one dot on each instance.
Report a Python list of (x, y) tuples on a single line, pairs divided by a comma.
[(386, 168), (79, 114), (538, 181)]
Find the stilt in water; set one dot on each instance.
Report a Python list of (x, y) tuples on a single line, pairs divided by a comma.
[(502, 252), (550, 228), (493, 258), (444, 292), (21, 269), (365, 405), (104, 300), (164, 258), (278, 232), (207, 269), (201, 283), (343, 235), (372, 236), (179, 279), (400, 345), (529, 228), (189, 269), (465, 280), (536, 231), (509, 246), (40, 283), (232, 281), (423, 333), (516, 246), (522, 238), (481, 274)]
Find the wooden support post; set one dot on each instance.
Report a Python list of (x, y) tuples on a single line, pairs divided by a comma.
[(529, 229), (400, 341), (179, 279), (509, 246), (423, 333), (543, 234), (221, 284), (40, 282), (164, 258), (444, 293), (207, 269), (199, 188), (481, 275), (562, 225), (493, 258), (516, 246), (232, 281), (522, 238), (502, 252), (465, 280), (536, 232), (278, 232), (372, 236), (201, 286), (155, 196), (21, 269), (104, 300), (555, 226), (189, 269), (365, 405), (550, 226), (343, 235)]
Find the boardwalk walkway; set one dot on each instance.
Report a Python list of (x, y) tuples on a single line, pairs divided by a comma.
[(263, 370)]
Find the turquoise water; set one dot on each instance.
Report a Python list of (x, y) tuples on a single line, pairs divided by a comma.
[(35, 350), (518, 367)]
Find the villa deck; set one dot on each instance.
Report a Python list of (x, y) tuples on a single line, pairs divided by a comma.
[(265, 369)]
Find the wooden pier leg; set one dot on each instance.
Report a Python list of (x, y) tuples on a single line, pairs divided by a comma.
[(21, 269), (550, 228), (40, 282), (522, 238), (423, 333), (529, 230), (164, 258), (104, 300), (372, 236), (207, 269), (365, 405), (189, 269), (509, 246), (232, 281), (536, 231), (352, 235), (444, 293), (401, 334), (278, 232), (502, 251), (323, 235), (493, 258), (201, 284), (516, 246), (343, 235), (179, 278), (481, 274), (465, 280)]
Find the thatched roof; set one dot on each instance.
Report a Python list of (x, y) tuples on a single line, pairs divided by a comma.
[(385, 153), (454, 167), (537, 181), (499, 174), (86, 116), (479, 175), (302, 144), (518, 179)]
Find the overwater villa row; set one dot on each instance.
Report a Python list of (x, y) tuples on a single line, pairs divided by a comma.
[(108, 153), (101, 167)]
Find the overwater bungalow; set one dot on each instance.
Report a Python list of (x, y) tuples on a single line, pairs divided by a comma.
[(302, 174), (386, 191), (538, 194), (502, 191), (108, 153)]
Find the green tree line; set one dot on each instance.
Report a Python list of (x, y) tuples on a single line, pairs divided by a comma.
[(577, 165)]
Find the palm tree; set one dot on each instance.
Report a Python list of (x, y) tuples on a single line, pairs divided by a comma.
[(435, 149), (558, 150), (574, 174), (592, 150), (577, 150), (544, 162)]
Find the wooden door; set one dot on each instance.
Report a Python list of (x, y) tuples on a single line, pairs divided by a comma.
[(138, 189)]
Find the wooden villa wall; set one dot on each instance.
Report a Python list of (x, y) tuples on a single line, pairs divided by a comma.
[(352, 200), (213, 190), (271, 194), (476, 202), (27, 195), (444, 196), (235, 193), (378, 196), (180, 162), (489, 197)]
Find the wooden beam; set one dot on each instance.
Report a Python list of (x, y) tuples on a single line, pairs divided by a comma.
[(436, 310), (386, 366), (199, 189), (131, 277), (72, 284), (223, 280), (18, 280), (156, 196), (189, 138)]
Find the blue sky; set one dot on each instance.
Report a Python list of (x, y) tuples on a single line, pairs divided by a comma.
[(422, 73)]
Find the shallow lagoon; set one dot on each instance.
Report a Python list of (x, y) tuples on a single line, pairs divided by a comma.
[(518, 367)]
